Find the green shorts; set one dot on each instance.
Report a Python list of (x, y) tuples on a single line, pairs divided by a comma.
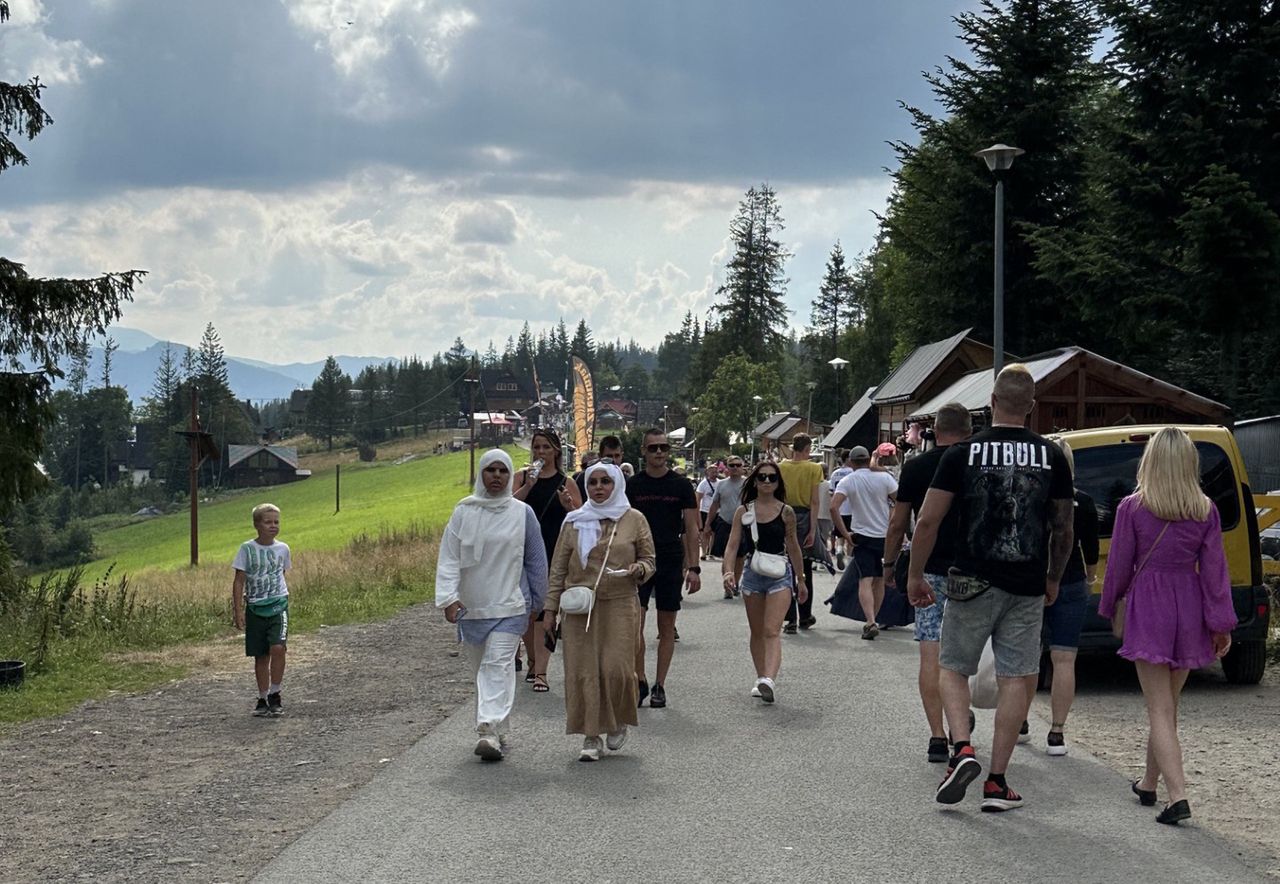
[(260, 633)]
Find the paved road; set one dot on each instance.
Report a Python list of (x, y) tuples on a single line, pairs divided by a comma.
[(829, 784)]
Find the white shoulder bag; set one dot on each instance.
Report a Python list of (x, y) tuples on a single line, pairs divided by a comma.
[(765, 564), (582, 599)]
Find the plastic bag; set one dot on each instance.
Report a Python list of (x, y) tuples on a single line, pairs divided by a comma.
[(984, 690)]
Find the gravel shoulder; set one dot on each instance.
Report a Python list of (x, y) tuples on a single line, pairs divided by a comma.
[(183, 783)]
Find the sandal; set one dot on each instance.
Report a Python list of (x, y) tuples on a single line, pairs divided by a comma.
[(540, 684)]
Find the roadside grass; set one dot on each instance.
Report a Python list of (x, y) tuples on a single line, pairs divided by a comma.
[(89, 641)]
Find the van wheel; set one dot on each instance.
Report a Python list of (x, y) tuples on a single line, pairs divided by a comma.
[(1245, 662)]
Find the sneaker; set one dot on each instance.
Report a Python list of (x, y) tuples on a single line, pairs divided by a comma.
[(839, 561), (1024, 733), (939, 750), (789, 629), (658, 698), (728, 593), (489, 747), (676, 635), (755, 689), (505, 743), (808, 622), (870, 631), (996, 799), (616, 741), (274, 704), (644, 692), (964, 770), (261, 709), (766, 689), (1057, 745), (590, 749)]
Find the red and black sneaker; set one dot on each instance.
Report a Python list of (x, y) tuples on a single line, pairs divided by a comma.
[(996, 799), (964, 770)]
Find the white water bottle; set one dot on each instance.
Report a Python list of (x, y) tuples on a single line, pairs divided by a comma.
[(535, 469)]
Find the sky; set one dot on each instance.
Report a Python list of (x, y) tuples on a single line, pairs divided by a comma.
[(380, 177)]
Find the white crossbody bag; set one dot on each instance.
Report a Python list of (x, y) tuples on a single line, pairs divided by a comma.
[(765, 564), (581, 599)]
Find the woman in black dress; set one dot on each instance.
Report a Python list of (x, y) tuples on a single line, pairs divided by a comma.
[(544, 486)]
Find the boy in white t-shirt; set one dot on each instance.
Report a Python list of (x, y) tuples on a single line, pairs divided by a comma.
[(260, 605)]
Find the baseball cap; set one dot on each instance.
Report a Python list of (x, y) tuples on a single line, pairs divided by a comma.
[(886, 449), (858, 452)]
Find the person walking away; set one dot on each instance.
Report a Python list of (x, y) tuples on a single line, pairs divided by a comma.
[(765, 526), (491, 576), (1013, 491), (870, 494), (837, 475), (886, 458), (1167, 572), (544, 486), (724, 503), (826, 526), (605, 544), (666, 500), (260, 605), (952, 426), (1065, 617), (801, 475), (703, 494)]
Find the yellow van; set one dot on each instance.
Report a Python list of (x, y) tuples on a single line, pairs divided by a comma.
[(1106, 462)]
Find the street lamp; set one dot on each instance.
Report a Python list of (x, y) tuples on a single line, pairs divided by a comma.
[(809, 416), (838, 364), (755, 422), (999, 159)]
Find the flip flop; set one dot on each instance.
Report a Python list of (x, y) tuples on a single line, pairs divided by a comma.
[(540, 684)]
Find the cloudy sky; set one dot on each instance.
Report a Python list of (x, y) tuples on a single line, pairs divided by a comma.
[(378, 177)]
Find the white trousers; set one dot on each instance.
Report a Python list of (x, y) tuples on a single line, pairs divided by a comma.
[(494, 665)]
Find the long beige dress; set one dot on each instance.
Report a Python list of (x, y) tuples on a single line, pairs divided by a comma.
[(600, 691)]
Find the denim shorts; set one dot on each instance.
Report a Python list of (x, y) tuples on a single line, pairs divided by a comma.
[(929, 620), (1012, 622), (753, 583), (1064, 619)]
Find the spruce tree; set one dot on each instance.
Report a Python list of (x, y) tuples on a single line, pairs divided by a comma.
[(329, 408), (834, 307)]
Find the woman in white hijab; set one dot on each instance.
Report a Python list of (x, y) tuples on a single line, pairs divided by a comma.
[(490, 577), (607, 545)]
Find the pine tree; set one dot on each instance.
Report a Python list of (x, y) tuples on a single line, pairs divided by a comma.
[(752, 311), (211, 365), (329, 408), (834, 307), (582, 344)]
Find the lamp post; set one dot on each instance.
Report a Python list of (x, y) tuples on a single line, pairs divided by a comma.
[(999, 159), (809, 415), (755, 421), (838, 364), (471, 419)]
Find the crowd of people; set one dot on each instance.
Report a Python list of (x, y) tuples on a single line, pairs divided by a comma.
[(987, 533)]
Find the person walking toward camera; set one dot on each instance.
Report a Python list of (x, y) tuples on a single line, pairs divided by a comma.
[(604, 544), (766, 528), (491, 576), (1168, 591), (724, 503), (260, 605), (666, 500), (1013, 538)]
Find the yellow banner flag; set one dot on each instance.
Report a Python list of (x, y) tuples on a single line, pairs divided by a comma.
[(584, 408)]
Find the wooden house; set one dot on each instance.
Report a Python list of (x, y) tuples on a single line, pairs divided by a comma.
[(252, 466), (924, 374)]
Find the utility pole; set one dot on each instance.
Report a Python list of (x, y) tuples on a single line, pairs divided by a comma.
[(202, 447)]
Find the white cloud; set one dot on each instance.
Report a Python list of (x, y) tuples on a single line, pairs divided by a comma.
[(27, 50)]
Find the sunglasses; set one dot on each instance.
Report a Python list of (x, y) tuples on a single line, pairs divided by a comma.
[(768, 478), (657, 447), (735, 466)]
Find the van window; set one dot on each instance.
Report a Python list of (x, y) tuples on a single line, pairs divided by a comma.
[(1109, 474)]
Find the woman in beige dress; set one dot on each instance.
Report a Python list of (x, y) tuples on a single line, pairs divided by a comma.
[(600, 690)]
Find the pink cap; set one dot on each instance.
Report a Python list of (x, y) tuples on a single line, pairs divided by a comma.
[(886, 449)]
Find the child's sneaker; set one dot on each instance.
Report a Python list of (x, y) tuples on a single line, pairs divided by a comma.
[(274, 704), (964, 770), (999, 798), (261, 709)]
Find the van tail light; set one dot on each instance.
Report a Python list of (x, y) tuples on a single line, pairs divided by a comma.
[(1262, 610)]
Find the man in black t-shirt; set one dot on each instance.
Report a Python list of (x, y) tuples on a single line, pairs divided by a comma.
[(952, 425), (1013, 492), (667, 501)]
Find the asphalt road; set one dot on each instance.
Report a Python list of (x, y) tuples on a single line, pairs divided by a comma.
[(828, 784)]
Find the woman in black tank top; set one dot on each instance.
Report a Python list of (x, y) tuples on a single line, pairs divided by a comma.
[(766, 598), (550, 494)]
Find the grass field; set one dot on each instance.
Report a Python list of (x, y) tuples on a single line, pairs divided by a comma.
[(375, 496)]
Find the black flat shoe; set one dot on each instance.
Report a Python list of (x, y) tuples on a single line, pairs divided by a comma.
[(1175, 813), (1147, 799)]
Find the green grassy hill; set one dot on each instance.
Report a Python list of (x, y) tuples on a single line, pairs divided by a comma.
[(422, 491)]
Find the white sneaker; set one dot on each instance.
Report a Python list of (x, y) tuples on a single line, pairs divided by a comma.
[(766, 689), (755, 690), (618, 740), (590, 749), (506, 743), (488, 748), (1024, 734)]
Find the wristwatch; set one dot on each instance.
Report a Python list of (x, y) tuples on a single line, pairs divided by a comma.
[(696, 569)]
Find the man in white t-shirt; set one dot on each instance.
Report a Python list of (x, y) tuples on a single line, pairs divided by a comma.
[(845, 468), (870, 494)]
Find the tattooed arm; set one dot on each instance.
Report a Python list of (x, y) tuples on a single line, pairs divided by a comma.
[(1061, 517)]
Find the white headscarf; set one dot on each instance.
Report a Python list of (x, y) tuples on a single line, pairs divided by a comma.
[(489, 519), (587, 517)]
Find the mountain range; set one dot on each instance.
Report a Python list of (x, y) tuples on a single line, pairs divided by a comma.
[(135, 362)]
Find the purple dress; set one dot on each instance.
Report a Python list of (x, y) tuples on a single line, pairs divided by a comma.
[(1183, 595)]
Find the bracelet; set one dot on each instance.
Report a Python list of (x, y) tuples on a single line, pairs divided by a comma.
[(696, 569)]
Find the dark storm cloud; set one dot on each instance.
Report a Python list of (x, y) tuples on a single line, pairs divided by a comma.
[(578, 96)]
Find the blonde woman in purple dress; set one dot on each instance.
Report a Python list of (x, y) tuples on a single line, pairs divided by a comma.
[(1168, 569)]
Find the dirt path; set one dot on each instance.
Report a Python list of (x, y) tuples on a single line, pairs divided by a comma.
[(1228, 737), (182, 783)]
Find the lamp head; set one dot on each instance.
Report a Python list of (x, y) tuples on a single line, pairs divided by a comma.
[(999, 157)]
